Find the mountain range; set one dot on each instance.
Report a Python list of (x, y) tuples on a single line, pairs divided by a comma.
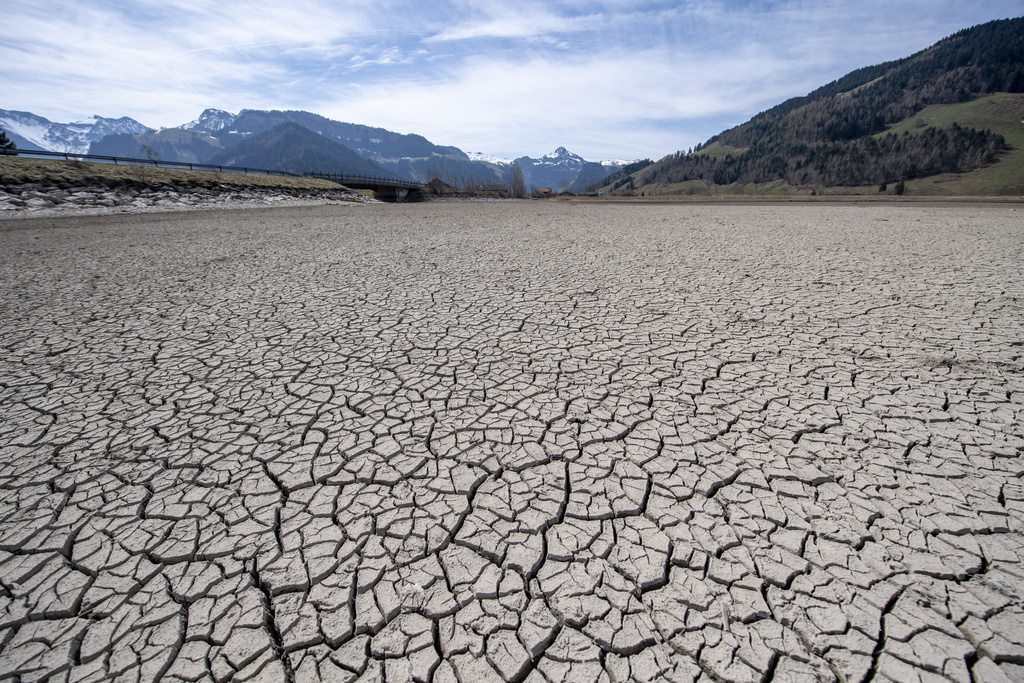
[(297, 141), (290, 147), (28, 131)]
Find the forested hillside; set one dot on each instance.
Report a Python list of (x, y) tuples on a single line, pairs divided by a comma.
[(623, 178), (836, 134)]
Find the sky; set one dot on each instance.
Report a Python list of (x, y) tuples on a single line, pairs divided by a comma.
[(606, 79)]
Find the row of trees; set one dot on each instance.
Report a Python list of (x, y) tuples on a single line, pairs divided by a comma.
[(868, 161), (515, 184)]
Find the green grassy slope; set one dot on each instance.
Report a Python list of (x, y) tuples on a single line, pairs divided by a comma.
[(1001, 113), (717, 149)]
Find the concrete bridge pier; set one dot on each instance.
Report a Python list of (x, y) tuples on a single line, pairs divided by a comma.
[(391, 194)]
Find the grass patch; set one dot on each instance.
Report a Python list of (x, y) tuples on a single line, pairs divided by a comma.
[(58, 172), (856, 90), (719, 151), (1000, 113)]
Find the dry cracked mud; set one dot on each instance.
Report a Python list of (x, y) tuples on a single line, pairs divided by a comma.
[(519, 441)]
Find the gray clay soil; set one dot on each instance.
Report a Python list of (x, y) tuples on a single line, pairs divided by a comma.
[(514, 441)]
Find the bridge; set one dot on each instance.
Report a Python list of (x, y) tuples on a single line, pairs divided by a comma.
[(384, 188), (387, 189)]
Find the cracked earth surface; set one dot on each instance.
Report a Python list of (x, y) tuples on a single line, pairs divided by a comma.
[(514, 442)]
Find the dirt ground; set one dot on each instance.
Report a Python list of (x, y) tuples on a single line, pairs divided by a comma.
[(514, 441)]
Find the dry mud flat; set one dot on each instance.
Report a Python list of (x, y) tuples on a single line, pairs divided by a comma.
[(514, 441)]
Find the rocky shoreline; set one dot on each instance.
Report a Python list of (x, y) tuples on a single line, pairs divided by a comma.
[(34, 199)]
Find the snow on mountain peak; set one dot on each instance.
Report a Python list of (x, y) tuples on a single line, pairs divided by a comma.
[(66, 137), (562, 153), (489, 158), (99, 126), (211, 121)]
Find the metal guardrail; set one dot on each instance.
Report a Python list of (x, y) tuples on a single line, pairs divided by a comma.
[(129, 161), (374, 181)]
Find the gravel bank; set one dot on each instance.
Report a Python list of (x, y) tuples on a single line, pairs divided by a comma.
[(31, 199)]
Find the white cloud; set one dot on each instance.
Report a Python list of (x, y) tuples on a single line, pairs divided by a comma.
[(161, 62), (388, 57), (505, 105), (516, 21)]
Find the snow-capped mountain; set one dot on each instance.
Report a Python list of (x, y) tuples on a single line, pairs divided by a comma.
[(562, 157), (29, 131), (489, 158), (563, 170), (216, 131), (210, 121), (557, 170)]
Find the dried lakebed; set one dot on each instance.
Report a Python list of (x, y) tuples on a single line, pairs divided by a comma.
[(516, 441)]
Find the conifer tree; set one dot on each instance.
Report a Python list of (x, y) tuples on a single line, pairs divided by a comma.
[(5, 143)]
